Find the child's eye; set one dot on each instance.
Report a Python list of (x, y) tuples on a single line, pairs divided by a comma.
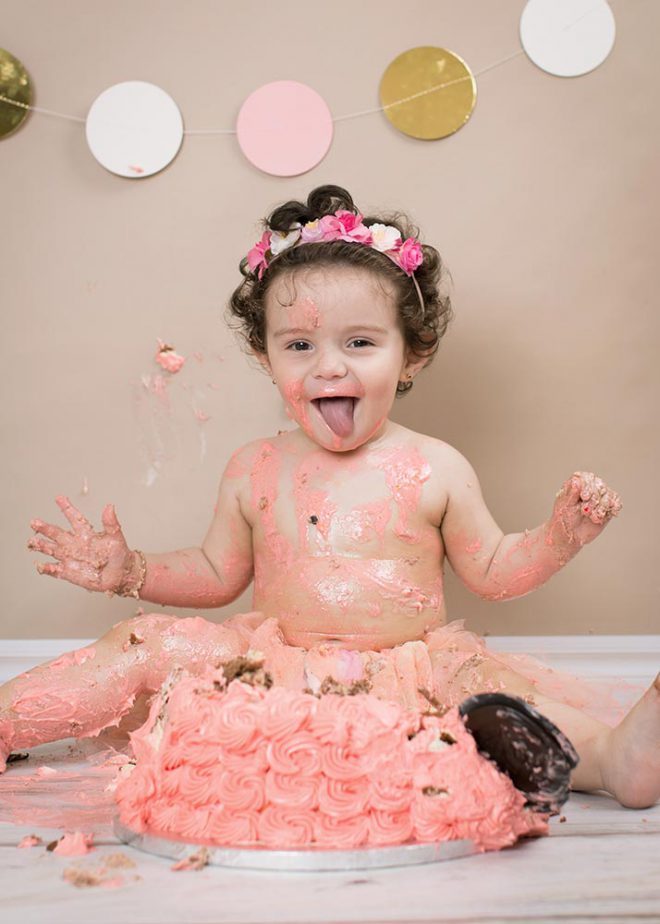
[(361, 342), (299, 346)]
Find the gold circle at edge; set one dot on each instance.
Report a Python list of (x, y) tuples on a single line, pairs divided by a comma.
[(19, 89), (429, 126)]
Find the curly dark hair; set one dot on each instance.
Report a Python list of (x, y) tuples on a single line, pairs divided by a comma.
[(422, 326)]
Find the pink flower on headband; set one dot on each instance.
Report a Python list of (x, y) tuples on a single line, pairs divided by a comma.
[(409, 256), (352, 228), (342, 226), (256, 257)]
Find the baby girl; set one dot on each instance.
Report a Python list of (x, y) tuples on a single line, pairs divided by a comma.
[(343, 522)]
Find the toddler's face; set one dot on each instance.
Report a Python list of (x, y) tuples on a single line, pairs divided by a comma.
[(336, 351)]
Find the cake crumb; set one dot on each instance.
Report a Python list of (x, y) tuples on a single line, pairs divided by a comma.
[(434, 791), (332, 686), (562, 819), (118, 861), (30, 840), (82, 878), (436, 707), (195, 861), (247, 671), (101, 875)]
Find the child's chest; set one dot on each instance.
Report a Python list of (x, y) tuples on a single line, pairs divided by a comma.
[(379, 505)]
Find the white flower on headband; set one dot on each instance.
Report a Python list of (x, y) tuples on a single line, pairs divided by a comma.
[(280, 242), (384, 237)]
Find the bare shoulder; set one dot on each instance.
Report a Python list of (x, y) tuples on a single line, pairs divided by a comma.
[(448, 472), (446, 462), (243, 459)]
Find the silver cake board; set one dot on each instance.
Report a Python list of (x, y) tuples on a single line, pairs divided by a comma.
[(311, 860)]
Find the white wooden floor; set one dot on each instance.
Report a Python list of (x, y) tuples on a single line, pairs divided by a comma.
[(601, 864)]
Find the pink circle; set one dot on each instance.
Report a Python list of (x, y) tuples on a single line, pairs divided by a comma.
[(284, 128)]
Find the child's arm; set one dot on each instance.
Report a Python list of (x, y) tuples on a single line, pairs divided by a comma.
[(209, 576), (499, 567)]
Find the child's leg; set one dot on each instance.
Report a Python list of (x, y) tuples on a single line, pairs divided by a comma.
[(624, 761), (84, 691)]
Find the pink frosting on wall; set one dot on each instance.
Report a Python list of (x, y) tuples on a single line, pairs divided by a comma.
[(283, 769)]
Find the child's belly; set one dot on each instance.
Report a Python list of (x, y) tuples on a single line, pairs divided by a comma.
[(358, 603)]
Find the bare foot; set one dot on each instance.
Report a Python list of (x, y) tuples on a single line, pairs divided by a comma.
[(630, 753)]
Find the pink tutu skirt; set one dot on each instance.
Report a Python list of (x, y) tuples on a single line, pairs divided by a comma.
[(449, 664)]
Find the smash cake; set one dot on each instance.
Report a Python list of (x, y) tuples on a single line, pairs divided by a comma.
[(228, 759)]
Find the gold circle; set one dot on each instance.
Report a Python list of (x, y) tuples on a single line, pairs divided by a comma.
[(15, 85), (442, 88)]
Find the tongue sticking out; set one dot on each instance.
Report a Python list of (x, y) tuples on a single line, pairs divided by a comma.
[(338, 414)]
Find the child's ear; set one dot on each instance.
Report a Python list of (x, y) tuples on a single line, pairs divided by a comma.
[(412, 366), (263, 360)]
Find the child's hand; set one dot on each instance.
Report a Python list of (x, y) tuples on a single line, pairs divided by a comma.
[(97, 561), (583, 508)]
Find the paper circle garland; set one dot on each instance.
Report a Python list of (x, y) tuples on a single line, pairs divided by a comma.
[(15, 85), (134, 129), (567, 38), (284, 128), (428, 92)]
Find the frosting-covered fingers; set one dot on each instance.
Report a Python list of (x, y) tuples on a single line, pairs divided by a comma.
[(47, 567), (79, 523), (109, 520), (609, 505), (46, 546), (599, 502), (48, 530)]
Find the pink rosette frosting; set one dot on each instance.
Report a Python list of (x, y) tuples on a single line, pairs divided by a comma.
[(327, 725), (285, 712), (343, 763), (343, 798), (341, 833), (199, 785), (292, 789), (178, 818), (431, 819), (241, 790), (235, 726), (389, 828), (391, 786), (283, 769), (236, 829), (256, 758), (299, 753), (286, 828)]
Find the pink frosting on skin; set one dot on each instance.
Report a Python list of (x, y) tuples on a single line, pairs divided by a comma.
[(284, 769), (73, 657)]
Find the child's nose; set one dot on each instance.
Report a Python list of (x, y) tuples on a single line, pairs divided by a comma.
[(330, 364)]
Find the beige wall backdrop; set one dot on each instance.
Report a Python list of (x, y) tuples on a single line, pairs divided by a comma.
[(545, 207)]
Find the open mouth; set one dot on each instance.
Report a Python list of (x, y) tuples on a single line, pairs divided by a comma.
[(337, 413)]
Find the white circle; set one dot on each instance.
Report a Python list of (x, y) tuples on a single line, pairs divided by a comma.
[(567, 37), (134, 129)]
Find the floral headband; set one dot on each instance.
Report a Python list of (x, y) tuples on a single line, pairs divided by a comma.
[(342, 226)]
